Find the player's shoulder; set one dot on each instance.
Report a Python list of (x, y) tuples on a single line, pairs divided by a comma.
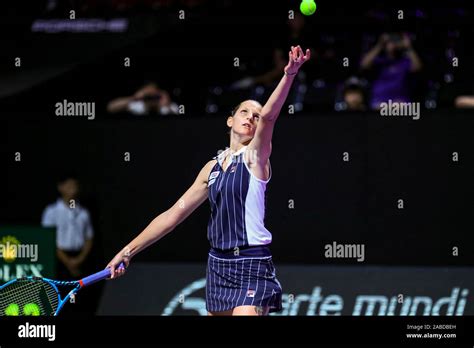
[(206, 169), (209, 165)]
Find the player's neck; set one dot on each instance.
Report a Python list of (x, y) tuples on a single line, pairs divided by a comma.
[(236, 145)]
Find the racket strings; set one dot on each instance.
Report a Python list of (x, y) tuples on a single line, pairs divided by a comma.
[(28, 296)]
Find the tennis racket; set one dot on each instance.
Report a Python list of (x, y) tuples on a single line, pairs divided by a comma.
[(38, 296)]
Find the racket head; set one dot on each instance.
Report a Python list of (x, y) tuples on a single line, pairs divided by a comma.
[(29, 296)]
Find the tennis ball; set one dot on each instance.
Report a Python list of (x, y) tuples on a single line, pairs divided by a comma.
[(12, 310), (308, 7), (31, 309)]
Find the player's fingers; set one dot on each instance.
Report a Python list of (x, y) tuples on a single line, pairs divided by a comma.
[(111, 267), (295, 55), (120, 271), (293, 52), (300, 52)]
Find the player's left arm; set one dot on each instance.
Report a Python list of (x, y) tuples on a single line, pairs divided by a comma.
[(261, 142)]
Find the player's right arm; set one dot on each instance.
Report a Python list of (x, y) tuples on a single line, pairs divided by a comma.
[(166, 221)]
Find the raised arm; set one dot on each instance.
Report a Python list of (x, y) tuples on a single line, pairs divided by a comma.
[(166, 221), (415, 61), (370, 56), (261, 142)]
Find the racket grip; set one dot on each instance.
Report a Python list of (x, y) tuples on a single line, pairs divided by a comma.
[(96, 277)]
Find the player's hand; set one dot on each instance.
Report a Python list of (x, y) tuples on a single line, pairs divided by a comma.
[(115, 270), (296, 59)]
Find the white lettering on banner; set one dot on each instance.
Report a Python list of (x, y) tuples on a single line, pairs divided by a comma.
[(9, 272), (85, 25), (333, 304)]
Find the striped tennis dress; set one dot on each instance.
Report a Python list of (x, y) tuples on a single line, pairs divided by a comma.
[(240, 271)]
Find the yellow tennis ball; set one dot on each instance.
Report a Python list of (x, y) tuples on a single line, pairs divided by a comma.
[(12, 310), (308, 7), (31, 309)]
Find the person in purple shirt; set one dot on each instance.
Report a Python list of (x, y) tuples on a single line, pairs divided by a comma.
[(392, 69)]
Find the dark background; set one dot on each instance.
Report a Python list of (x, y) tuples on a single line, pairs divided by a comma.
[(346, 202), (350, 202)]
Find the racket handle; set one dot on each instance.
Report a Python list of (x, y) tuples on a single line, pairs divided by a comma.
[(94, 278)]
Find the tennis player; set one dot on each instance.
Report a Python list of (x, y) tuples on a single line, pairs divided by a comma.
[(240, 277)]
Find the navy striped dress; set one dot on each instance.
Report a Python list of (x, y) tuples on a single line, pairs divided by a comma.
[(240, 270)]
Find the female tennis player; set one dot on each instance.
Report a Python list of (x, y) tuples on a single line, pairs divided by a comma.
[(240, 277)]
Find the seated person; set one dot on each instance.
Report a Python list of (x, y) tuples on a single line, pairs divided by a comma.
[(354, 95), (148, 99)]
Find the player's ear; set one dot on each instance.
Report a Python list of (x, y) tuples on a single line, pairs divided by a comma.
[(230, 121)]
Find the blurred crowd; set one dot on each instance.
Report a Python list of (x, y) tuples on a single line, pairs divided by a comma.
[(389, 69), (351, 69)]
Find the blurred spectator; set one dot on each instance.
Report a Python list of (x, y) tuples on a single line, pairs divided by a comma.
[(354, 95), (148, 99), (392, 59), (74, 232), (464, 101), (296, 35)]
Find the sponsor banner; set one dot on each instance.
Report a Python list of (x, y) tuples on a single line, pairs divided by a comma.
[(27, 251), (178, 289), (80, 25)]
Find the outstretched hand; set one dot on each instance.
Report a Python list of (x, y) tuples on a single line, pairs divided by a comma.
[(296, 59), (113, 265)]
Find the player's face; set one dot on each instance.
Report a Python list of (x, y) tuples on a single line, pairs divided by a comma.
[(246, 118)]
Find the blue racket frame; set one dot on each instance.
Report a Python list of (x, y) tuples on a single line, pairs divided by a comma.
[(79, 284)]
